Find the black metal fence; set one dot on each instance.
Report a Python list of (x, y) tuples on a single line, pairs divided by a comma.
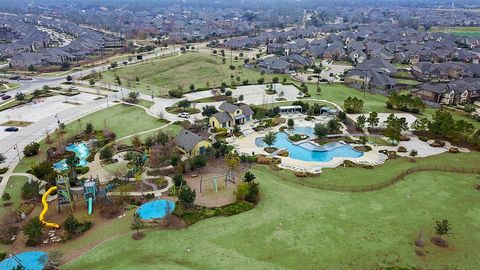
[(366, 188)]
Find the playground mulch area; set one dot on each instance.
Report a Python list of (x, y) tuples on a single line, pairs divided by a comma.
[(202, 181)]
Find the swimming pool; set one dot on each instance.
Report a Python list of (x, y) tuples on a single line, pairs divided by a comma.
[(155, 209), (30, 260), (80, 150), (310, 152), (302, 130)]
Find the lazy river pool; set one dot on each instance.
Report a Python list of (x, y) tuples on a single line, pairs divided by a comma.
[(309, 152), (80, 150)]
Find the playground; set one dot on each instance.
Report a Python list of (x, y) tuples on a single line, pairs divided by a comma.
[(215, 184)]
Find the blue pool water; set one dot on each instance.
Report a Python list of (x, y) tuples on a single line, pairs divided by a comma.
[(80, 150), (302, 130), (310, 152), (155, 209), (30, 260)]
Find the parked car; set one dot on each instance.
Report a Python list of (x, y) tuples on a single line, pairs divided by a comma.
[(11, 129), (6, 97), (2, 94), (184, 115)]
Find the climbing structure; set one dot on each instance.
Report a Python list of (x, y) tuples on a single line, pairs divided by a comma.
[(63, 191)]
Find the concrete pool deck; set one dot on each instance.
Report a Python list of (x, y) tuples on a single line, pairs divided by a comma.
[(247, 145)]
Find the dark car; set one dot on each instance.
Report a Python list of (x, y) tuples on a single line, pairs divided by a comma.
[(11, 129), (6, 97)]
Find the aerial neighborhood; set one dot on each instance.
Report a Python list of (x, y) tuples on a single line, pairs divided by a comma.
[(239, 134)]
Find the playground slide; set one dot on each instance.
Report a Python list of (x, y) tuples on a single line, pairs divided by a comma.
[(90, 205), (45, 209)]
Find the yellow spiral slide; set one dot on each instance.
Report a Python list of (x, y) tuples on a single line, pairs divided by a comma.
[(45, 208)]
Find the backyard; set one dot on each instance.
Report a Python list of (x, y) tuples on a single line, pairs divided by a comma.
[(294, 226), (169, 73)]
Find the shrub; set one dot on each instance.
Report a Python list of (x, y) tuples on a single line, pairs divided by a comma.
[(33, 229), (106, 152), (30, 190), (31, 149), (402, 149), (71, 225), (175, 93), (3, 170), (6, 196)]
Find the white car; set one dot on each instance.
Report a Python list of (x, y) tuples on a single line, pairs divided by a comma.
[(184, 115)]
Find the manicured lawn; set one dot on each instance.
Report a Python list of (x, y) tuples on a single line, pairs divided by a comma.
[(121, 119), (16, 123), (337, 93), (360, 176), (163, 74), (294, 227), (14, 188)]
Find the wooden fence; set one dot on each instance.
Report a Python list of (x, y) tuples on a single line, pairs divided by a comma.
[(366, 188)]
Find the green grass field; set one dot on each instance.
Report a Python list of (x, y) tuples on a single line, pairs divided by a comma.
[(121, 119), (163, 74), (14, 187), (296, 227), (470, 31), (359, 176)]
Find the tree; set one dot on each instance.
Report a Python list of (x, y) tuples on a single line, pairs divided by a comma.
[(184, 104), (89, 128), (320, 130), (33, 229), (228, 93), (290, 123), (333, 126), (232, 160), (240, 98), (373, 119), (69, 78), (137, 224), (187, 196), (275, 79), (394, 127), (261, 80), (161, 138), (2, 158), (192, 87), (270, 138), (353, 105), (413, 153), (52, 260), (20, 96), (31, 68), (361, 119), (209, 110), (249, 177), (133, 96), (178, 180), (442, 227), (91, 82), (136, 141)]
